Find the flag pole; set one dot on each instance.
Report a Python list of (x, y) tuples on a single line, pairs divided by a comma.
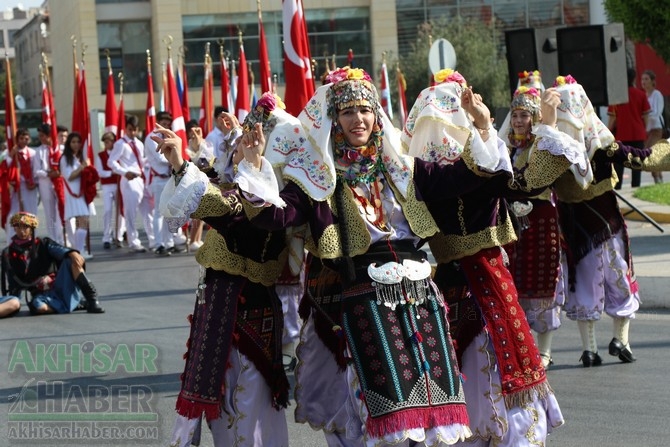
[(208, 80)]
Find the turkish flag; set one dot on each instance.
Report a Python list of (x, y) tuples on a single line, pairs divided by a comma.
[(242, 103), (150, 121), (81, 122), (122, 120), (207, 101), (297, 58), (111, 118), (182, 91), (385, 91), (178, 125), (49, 117), (225, 85), (263, 58)]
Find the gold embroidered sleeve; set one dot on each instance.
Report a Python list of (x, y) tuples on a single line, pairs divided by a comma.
[(659, 159), (215, 204), (542, 170), (569, 191)]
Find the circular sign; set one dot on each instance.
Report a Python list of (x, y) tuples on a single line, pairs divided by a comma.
[(441, 55)]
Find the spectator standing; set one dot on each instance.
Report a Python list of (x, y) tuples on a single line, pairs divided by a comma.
[(655, 121), (628, 122)]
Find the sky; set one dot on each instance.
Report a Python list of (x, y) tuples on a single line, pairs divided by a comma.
[(9, 4)]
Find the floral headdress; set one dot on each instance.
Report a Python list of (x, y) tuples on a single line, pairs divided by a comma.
[(577, 117), (527, 98), (351, 87), (262, 113), (313, 165), (438, 128), (25, 218), (449, 75), (531, 79)]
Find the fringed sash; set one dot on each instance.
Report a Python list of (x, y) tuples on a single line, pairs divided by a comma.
[(521, 373), (588, 224), (404, 360), (231, 310)]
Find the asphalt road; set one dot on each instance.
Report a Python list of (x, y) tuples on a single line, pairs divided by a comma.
[(126, 363)]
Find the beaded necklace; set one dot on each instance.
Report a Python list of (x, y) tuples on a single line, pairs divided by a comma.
[(358, 164)]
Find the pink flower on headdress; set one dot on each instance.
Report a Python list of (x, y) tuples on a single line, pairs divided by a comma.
[(523, 90), (449, 75), (562, 80), (269, 101), (347, 73)]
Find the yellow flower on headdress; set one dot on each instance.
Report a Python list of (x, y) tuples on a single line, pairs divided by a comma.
[(280, 103), (355, 73), (449, 75)]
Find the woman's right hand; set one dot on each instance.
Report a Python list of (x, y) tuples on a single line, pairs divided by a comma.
[(252, 144), (169, 144)]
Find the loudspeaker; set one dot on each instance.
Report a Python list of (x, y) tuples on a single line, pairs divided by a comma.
[(531, 49), (596, 57)]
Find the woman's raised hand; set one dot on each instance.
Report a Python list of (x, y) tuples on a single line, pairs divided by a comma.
[(169, 144), (551, 98), (474, 105), (252, 144)]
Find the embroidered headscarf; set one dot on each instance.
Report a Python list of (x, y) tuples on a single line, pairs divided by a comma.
[(439, 129), (577, 117), (312, 166), (25, 218)]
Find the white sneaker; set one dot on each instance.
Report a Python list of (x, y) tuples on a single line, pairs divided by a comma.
[(138, 249), (179, 239), (87, 256), (195, 246)]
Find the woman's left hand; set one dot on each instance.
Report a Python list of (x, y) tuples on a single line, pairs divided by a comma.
[(551, 98)]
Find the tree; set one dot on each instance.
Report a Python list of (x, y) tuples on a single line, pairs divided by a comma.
[(478, 55), (644, 21)]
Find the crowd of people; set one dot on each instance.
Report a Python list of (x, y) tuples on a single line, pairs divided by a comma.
[(315, 255)]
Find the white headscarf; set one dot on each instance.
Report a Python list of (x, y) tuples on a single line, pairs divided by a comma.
[(439, 129), (312, 166)]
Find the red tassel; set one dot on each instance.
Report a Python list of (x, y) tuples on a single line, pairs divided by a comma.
[(417, 418), (191, 410)]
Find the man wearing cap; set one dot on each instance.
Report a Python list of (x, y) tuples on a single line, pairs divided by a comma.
[(52, 274)]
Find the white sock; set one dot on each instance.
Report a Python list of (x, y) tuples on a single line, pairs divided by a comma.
[(587, 330)]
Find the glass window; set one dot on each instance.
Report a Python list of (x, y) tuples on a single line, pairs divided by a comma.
[(2, 39), (102, 2), (330, 32), (126, 43), (10, 35)]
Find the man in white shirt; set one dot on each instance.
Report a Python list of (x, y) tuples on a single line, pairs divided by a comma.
[(160, 173), (24, 198), (127, 160), (44, 174)]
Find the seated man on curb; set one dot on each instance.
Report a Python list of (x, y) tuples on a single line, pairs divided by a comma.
[(53, 274)]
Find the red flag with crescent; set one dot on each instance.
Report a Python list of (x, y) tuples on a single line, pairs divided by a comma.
[(297, 58)]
